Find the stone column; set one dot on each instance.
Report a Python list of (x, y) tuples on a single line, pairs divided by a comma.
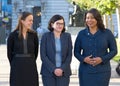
[(118, 19)]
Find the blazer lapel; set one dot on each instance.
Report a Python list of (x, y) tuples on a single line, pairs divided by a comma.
[(53, 41), (62, 43)]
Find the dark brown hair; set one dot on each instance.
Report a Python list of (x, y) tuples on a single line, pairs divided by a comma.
[(53, 20), (97, 16)]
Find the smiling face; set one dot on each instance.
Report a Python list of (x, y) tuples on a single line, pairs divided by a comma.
[(27, 23), (90, 20), (58, 25)]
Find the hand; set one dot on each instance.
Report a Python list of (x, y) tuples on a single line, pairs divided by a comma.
[(96, 61), (88, 60), (58, 72)]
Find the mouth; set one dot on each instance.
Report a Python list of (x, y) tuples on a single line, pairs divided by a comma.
[(90, 23)]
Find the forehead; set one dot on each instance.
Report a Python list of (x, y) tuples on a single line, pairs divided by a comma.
[(29, 17), (61, 21), (89, 15)]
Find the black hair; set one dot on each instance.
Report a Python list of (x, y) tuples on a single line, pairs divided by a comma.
[(97, 16)]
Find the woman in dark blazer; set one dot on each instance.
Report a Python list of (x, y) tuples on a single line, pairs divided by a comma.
[(22, 51), (56, 54), (94, 47)]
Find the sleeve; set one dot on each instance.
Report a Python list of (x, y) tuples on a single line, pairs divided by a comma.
[(36, 42), (43, 49), (10, 46), (67, 62), (78, 49), (111, 46)]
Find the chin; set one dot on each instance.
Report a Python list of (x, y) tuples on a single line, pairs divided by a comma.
[(29, 27)]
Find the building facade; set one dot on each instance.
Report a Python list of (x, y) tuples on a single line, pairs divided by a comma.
[(42, 10)]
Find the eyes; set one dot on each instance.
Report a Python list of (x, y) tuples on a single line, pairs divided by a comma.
[(90, 17), (59, 24)]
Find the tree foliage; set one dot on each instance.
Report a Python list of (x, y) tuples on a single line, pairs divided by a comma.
[(104, 6)]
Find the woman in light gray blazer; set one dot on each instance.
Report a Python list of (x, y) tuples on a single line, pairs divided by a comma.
[(56, 54)]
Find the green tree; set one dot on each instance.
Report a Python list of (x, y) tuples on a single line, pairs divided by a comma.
[(104, 6)]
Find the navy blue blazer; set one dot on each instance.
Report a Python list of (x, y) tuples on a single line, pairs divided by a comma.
[(101, 44), (48, 51)]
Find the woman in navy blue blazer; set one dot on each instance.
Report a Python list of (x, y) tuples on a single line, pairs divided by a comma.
[(56, 54), (94, 47)]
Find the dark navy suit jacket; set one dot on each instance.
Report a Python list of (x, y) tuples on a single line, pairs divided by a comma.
[(48, 51)]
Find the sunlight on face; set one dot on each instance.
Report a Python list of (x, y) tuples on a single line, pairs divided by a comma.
[(90, 20), (58, 25), (27, 23)]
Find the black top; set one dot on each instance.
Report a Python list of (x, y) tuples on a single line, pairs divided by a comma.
[(15, 45), (22, 54)]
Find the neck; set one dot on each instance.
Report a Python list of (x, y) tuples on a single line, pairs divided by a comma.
[(24, 32), (93, 30), (57, 34)]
